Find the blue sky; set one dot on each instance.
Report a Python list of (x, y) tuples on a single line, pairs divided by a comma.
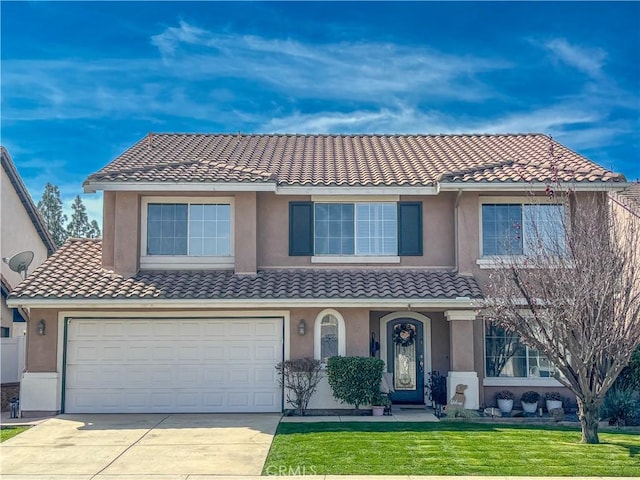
[(82, 81)]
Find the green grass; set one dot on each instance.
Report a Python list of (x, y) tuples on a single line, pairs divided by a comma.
[(448, 449), (8, 432)]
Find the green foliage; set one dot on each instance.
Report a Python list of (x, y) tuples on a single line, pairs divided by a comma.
[(554, 396), (300, 377), (50, 208), (80, 227), (8, 432), (450, 448), (380, 400), (621, 406), (456, 411), (437, 385), (355, 380), (505, 395), (630, 375), (530, 397)]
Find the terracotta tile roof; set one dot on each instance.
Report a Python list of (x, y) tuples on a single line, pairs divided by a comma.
[(348, 160), (630, 197), (75, 272)]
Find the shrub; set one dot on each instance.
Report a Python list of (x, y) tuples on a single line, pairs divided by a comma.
[(355, 380), (621, 407), (300, 378), (629, 377), (553, 396), (380, 400), (437, 386), (505, 395), (455, 411), (530, 397)]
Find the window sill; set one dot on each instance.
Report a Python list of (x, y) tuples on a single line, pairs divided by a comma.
[(354, 259), (521, 261), (521, 381), (159, 262), (498, 261)]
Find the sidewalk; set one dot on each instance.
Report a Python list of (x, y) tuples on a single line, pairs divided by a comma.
[(7, 421), (397, 415)]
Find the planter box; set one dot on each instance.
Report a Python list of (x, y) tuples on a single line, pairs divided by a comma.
[(530, 407), (505, 405), (377, 411), (551, 404)]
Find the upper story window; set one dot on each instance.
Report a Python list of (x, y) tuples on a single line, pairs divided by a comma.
[(176, 231), (343, 230), (356, 228), (522, 229), (188, 229), (329, 335)]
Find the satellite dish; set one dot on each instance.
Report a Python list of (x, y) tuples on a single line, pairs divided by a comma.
[(20, 262)]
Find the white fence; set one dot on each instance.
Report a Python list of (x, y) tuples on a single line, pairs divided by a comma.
[(12, 350)]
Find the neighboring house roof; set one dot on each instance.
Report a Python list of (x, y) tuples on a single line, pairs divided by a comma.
[(630, 198), (348, 160), (75, 272), (27, 202)]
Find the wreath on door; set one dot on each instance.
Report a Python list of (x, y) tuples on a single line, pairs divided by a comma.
[(404, 334)]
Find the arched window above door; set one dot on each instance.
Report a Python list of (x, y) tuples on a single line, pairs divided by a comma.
[(328, 335)]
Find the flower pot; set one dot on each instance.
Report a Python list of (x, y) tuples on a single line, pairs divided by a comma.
[(529, 407), (505, 405), (377, 411), (551, 404)]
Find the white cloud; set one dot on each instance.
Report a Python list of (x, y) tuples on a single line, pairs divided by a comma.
[(353, 70), (587, 60), (400, 119)]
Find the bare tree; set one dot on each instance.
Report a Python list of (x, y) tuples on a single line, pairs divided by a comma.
[(574, 294)]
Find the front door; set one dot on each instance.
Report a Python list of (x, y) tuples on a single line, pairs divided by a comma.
[(405, 359)]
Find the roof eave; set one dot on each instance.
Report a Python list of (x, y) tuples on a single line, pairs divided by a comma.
[(530, 186), (91, 186), (397, 303)]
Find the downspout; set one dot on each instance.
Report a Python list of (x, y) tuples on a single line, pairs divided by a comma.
[(455, 231)]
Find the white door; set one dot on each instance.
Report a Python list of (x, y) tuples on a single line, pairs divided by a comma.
[(135, 365)]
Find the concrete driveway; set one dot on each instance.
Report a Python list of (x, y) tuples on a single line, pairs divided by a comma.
[(80, 447)]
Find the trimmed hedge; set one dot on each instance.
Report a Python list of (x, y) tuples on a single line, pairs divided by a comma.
[(355, 380)]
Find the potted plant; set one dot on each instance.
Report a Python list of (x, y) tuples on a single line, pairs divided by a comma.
[(553, 400), (529, 401), (505, 401), (379, 402)]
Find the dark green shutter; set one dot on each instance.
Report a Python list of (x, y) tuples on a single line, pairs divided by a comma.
[(410, 228), (300, 228)]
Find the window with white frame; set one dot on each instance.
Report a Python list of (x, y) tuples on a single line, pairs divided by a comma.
[(193, 229), (356, 229), (186, 232), (329, 336), (506, 356), (522, 229)]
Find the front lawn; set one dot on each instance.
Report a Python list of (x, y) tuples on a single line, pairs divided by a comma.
[(8, 432), (448, 449)]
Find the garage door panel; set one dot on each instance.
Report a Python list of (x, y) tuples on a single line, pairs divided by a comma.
[(172, 365)]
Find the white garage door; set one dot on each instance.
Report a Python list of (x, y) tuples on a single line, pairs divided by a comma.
[(173, 365)]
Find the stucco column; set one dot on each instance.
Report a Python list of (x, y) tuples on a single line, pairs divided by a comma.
[(245, 241), (461, 368), (126, 249), (108, 228)]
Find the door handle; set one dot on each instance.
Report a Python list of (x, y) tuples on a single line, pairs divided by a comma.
[(421, 363)]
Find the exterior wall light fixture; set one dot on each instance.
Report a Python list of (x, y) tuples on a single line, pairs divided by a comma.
[(41, 325), (302, 327)]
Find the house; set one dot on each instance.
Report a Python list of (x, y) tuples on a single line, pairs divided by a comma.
[(224, 254), (22, 229)]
